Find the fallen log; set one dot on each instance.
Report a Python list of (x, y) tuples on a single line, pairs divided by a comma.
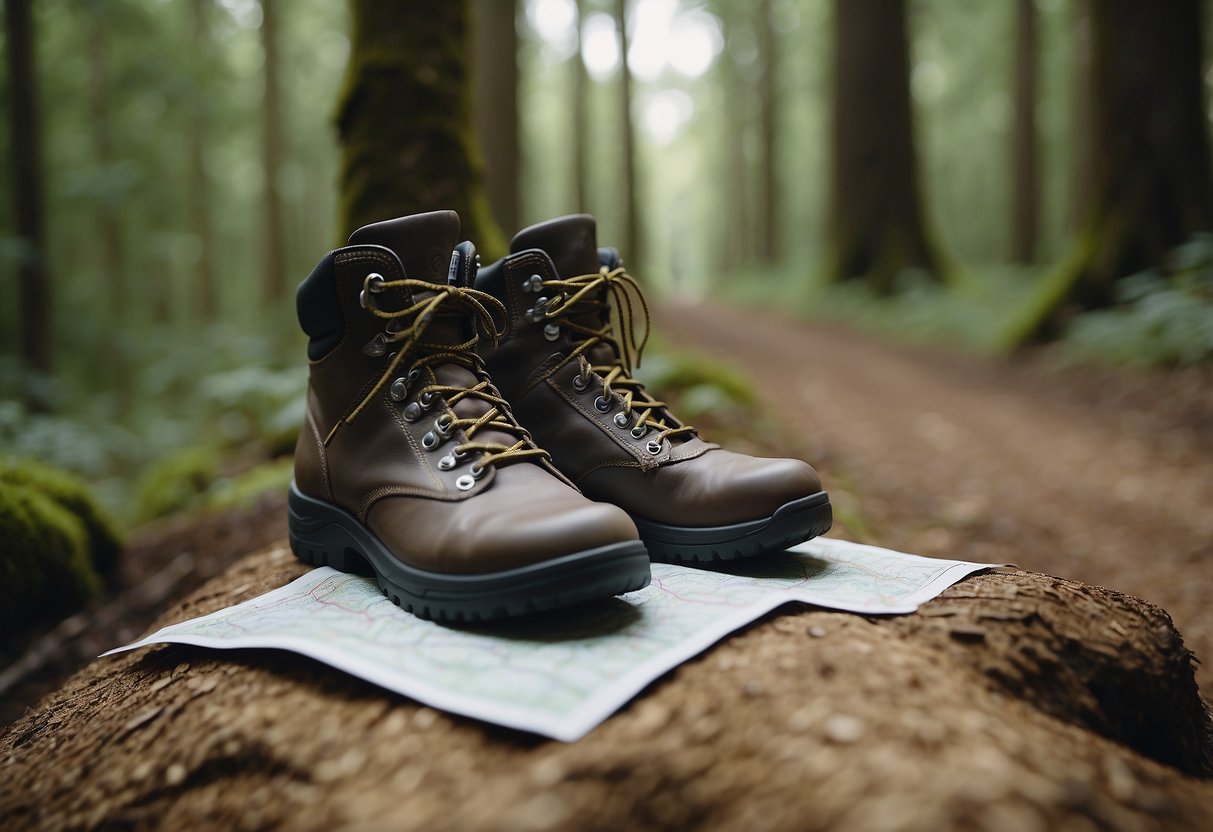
[(1013, 701)]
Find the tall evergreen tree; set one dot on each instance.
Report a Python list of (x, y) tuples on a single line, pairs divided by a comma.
[(877, 223), (28, 191), (495, 87), (273, 152), (627, 135), (404, 119), (1025, 185)]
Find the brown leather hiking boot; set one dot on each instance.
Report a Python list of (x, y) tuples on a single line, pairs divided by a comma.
[(566, 367), (411, 462)]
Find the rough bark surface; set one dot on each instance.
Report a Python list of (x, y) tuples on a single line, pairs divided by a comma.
[(404, 118), (1014, 701)]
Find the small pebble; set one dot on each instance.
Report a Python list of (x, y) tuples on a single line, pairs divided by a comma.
[(817, 632), (844, 729)]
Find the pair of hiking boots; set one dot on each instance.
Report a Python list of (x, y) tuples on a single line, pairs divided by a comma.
[(475, 435)]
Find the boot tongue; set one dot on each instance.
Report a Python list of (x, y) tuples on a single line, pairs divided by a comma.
[(423, 242), (571, 242)]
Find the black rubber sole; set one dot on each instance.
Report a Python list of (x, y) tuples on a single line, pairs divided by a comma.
[(792, 523), (323, 534)]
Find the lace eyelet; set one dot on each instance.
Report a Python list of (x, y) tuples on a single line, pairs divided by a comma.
[(447, 462), (443, 425), (393, 326), (551, 332), (430, 441), (602, 405), (426, 400), (372, 284), (581, 383), (400, 389), (622, 420), (639, 431), (653, 447), (534, 283), (465, 482), (412, 412), (477, 470)]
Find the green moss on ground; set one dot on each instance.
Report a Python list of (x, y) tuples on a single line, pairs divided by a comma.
[(45, 562), (175, 483), (71, 493)]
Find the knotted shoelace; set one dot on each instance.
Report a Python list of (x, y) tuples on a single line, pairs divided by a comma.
[(450, 301), (583, 296)]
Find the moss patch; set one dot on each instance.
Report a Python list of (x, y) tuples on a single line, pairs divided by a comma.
[(45, 563), (104, 544)]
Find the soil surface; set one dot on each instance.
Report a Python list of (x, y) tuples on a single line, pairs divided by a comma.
[(1099, 476)]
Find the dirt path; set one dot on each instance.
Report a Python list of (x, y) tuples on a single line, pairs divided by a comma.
[(986, 461)]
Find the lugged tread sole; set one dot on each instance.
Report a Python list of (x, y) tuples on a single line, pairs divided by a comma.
[(792, 523), (323, 534)]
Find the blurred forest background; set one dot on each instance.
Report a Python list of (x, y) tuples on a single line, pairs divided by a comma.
[(987, 173)]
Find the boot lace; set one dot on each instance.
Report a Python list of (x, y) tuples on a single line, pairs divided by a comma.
[(581, 298), (449, 300)]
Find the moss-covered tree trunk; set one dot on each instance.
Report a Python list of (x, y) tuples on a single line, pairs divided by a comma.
[(877, 225), (404, 118), (1150, 182), (494, 45)]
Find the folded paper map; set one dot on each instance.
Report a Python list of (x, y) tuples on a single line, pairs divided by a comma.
[(564, 673)]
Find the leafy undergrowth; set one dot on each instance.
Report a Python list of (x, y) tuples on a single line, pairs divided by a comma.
[(188, 426), (1164, 316)]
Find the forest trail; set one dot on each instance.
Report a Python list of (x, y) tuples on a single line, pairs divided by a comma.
[(985, 460)]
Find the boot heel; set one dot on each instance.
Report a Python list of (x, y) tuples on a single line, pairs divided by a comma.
[(317, 540)]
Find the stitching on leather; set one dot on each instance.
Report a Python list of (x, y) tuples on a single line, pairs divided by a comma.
[(324, 464), (541, 373), (604, 428), (710, 446), (601, 465)]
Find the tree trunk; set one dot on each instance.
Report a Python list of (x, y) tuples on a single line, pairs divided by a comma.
[(273, 152), (205, 288), (1012, 701), (1151, 185), (109, 230), (631, 213), (736, 237), (1025, 174), (495, 93), (404, 119), (877, 226), (768, 102), (580, 122), (1080, 123), (28, 194)]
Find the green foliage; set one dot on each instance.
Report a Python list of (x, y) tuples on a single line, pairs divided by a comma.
[(700, 386), (104, 545), (175, 482), (1165, 319), (45, 563), (242, 490)]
